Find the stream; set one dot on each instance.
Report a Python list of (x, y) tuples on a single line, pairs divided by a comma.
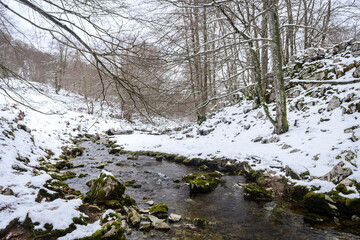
[(230, 216)]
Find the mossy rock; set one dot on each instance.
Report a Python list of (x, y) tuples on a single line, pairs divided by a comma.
[(110, 231), (106, 187), (316, 203), (82, 175), (63, 164), (342, 188), (203, 182), (354, 205), (113, 204), (298, 192), (201, 222), (64, 176), (115, 151), (257, 193), (313, 218), (256, 176), (43, 194), (159, 210), (127, 201)]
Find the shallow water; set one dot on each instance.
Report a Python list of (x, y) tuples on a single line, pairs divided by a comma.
[(230, 216)]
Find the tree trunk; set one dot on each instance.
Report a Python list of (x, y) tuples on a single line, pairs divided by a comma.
[(281, 125)]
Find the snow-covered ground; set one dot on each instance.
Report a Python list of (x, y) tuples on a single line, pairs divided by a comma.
[(318, 140)]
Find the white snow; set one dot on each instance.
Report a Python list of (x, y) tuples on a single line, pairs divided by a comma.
[(82, 231)]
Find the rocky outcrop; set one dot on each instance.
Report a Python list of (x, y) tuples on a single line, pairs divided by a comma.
[(338, 173)]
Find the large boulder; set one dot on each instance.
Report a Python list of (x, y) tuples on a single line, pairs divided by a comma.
[(105, 188)]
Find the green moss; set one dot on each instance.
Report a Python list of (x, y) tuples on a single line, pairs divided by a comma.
[(203, 182), (63, 164), (114, 227), (98, 195), (256, 176), (133, 157), (115, 151), (304, 174), (132, 184), (128, 201), (159, 210), (113, 204), (342, 188), (200, 222), (316, 203), (298, 192), (257, 193), (353, 205), (49, 153), (82, 175)]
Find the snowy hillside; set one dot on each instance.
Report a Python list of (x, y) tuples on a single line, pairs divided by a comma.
[(324, 125)]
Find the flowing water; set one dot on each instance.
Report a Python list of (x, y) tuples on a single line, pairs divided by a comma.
[(230, 216)]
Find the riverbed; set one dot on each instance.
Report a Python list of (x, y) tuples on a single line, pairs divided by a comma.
[(229, 215)]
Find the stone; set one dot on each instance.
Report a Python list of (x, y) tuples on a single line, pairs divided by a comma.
[(259, 115), (159, 224), (355, 49), (291, 173), (24, 127), (247, 126), (335, 102), (337, 174), (17, 167), (329, 199), (295, 150), (203, 182), (101, 165), (134, 217), (298, 192), (174, 217), (145, 226), (94, 209), (106, 187), (273, 139), (110, 230), (286, 146), (310, 54), (159, 210), (316, 203), (257, 193), (257, 139), (355, 218), (200, 222), (293, 93), (7, 192), (356, 73)]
